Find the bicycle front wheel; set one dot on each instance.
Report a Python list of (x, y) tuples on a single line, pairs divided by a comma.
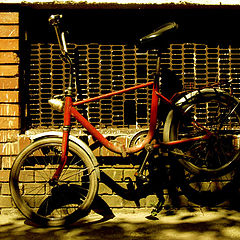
[(53, 203)]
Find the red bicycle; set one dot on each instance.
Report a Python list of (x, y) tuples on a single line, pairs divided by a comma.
[(54, 180)]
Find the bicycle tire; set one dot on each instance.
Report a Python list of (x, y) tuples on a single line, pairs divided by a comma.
[(210, 167), (223, 144), (46, 204)]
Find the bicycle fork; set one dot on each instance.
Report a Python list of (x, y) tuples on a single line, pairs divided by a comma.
[(66, 131)]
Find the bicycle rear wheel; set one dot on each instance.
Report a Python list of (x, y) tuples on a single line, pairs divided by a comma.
[(210, 165), (59, 203), (218, 113)]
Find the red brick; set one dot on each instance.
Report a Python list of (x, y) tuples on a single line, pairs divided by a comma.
[(9, 17), (7, 149), (9, 83), (4, 176), (9, 70), (7, 162), (9, 135), (9, 110), (9, 44), (113, 200), (115, 174), (9, 31), (5, 189), (9, 96), (23, 142), (5, 201), (9, 123), (8, 57)]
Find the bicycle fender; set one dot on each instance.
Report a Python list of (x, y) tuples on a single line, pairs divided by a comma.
[(193, 96), (167, 126), (74, 139), (185, 101)]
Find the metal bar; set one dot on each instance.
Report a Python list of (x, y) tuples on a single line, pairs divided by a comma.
[(153, 121), (172, 143), (112, 94), (94, 132), (66, 130)]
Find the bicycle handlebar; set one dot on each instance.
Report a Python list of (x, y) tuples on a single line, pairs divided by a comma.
[(55, 20)]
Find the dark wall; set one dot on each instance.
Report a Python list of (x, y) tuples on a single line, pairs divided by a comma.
[(210, 25)]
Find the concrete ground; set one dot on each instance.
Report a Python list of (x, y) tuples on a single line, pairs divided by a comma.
[(128, 225)]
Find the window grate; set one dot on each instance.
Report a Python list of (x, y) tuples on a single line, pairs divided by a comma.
[(199, 65), (101, 69)]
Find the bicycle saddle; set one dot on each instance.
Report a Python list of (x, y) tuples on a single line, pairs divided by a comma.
[(159, 32)]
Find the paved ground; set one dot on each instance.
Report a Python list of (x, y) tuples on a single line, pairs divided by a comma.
[(200, 224)]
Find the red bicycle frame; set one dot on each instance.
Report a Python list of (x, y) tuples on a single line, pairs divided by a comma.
[(71, 111), (120, 149)]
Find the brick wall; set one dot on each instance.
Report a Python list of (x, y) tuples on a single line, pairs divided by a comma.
[(9, 99)]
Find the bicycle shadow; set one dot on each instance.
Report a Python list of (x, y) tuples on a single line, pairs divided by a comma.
[(135, 192), (161, 179), (167, 179)]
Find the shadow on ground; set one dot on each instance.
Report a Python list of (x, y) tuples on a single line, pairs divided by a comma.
[(221, 224)]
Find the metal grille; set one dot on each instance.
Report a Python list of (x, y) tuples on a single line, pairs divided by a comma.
[(199, 65), (101, 69)]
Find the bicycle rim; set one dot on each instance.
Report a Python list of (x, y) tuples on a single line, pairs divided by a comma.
[(218, 154), (57, 204), (209, 174)]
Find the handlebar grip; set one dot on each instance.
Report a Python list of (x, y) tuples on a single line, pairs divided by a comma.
[(54, 19), (159, 31)]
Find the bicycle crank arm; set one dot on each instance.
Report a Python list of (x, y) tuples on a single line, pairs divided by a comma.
[(139, 174)]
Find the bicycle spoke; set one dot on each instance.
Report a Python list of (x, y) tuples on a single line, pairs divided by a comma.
[(74, 174), (225, 116), (211, 162)]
